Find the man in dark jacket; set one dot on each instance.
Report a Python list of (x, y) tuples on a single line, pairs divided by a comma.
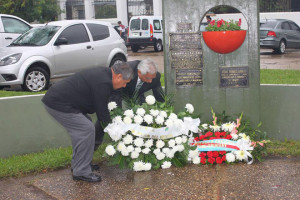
[(145, 77), (72, 99)]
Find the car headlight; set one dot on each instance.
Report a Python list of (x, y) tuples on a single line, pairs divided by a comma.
[(9, 60)]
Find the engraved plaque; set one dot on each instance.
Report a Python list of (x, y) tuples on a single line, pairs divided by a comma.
[(179, 41), (186, 59), (234, 77), (190, 77)]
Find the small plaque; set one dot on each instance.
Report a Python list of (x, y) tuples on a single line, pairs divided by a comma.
[(234, 77), (187, 59), (179, 41), (188, 77)]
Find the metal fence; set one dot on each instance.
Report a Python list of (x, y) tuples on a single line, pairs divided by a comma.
[(75, 9), (279, 5)]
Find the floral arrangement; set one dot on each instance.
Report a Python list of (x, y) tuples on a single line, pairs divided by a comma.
[(221, 25), (152, 136)]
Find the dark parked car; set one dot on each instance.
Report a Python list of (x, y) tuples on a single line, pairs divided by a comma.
[(279, 34)]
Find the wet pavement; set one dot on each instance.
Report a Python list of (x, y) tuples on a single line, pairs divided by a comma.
[(275, 178)]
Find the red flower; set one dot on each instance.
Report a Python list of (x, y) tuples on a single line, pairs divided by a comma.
[(202, 155), (196, 139), (212, 22), (228, 137), (222, 133), (203, 161), (219, 160), (222, 152), (211, 160), (224, 158), (240, 22), (217, 134), (210, 154), (208, 134), (220, 22), (215, 154)]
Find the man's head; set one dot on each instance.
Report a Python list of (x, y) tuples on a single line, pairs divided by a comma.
[(121, 75), (208, 18), (147, 70), (119, 22)]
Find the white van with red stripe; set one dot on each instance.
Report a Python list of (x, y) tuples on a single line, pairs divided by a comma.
[(145, 31)]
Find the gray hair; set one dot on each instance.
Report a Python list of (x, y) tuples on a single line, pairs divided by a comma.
[(147, 66), (124, 69)]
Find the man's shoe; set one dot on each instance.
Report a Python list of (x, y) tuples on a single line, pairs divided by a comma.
[(90, 178), (93, 167)]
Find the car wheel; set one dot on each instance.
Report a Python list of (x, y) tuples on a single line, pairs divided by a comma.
[(135, 48), (117, 59), (158, 46), (36, 79), (281, 48)]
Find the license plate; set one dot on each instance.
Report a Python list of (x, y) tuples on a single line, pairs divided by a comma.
[(135, 34)]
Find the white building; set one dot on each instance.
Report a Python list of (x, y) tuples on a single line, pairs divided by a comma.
[(110, 10)]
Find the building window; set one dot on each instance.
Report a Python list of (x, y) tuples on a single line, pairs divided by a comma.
[(105, 9), (279, 5), (140, 7), (75, 9)]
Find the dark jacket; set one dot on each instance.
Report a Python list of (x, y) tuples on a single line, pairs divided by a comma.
[(87, 92), (155, 86)]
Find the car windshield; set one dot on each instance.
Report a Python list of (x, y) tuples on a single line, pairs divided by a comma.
[(38, 36), (268, 24)]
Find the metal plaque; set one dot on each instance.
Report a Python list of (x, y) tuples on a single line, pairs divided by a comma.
[(179, 41), (187, 59), (188, 77), (234, 77)]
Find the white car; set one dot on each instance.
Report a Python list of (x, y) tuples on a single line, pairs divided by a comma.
[(11, 27), (59, 49)]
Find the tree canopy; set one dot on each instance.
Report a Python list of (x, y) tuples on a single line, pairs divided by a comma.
[(31, 10)]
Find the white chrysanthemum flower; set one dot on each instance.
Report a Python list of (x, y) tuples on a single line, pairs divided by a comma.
[(146, 150), (124, 152), (230, 157), (140, 111), (184, 139), (178, 140), (180, 148), (147, 166), (160, 144), (159, 120), (166, 165), (139, 142), (204, 126), (173, 116), (111, 105), (110, 150), (171, 154), (138, 166), (138, 149), (178, 122), (156, 151), (154, 113), (166, 150), (134, 155), (215, 127), (160, 156), (193, 153), (244, 137), (138, 119), (150, 100), (171, 143), (121, 146), (163, 114), (234, 136), (127, 120), (175, 148), (128, 139), (240, 155), (130, 148), (189, 107), (117, 119), (228, 127), (149, 143), (196, 160), (129, 113), (148, 119), (169, 123)]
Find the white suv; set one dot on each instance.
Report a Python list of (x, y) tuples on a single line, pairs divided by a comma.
[(145, 31), (59, 49)]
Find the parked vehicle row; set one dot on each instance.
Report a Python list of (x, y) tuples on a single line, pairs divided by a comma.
[(59, 49)]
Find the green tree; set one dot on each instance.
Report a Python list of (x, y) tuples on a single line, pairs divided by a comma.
[(31, 10)]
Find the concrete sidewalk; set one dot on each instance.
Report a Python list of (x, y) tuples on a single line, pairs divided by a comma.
[(275, 178)]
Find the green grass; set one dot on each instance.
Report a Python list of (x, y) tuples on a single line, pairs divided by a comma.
[(52, 159), (4, 93), (279, 76)]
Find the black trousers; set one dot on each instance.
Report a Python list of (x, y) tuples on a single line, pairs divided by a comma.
[(99, 134)]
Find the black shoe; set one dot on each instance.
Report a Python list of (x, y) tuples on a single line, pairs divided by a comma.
[(90, 178), (93, 167)]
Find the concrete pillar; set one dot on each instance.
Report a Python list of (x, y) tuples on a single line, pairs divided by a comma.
[(62, 6), (122, 11), (157, 7), (89, 9)]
